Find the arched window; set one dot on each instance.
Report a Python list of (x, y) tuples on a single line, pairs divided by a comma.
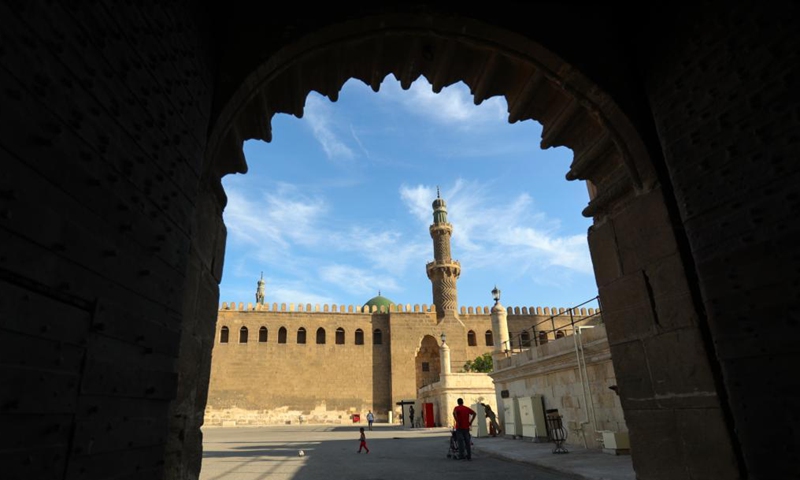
[(243, 335), (301, 335), (262, 335), (340, 336), (489, 338), (359, 337), (377, 337), (559, 333), (320, 336), (223, 335), (525, 339), (542, 337), (471, 341), (282, 335)]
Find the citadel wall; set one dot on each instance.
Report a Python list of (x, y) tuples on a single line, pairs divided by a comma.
[(267, 382), (262, 381)]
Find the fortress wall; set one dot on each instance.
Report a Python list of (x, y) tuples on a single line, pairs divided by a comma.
[(272, 383), (332, 308)]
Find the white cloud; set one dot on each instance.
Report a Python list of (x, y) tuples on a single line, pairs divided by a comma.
[(319, 116), (418, 200), (358, 281), (295, 294), (489, 233), (453, 106), (274, 219)]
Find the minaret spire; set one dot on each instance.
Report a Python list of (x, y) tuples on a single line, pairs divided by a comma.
[(443, 271), (260, 290)]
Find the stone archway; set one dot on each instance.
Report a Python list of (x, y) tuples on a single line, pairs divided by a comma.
[(639, 266), (427, 362)]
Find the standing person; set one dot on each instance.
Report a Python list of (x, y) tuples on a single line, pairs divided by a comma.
[(464, 417), (370, 419), (411, 415), (362, 441), (492, 419)]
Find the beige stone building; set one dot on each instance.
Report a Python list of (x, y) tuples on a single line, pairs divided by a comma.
[(279, 363)]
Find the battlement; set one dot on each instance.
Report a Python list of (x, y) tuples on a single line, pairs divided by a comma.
[(511, 311), (327, 308), (399, 308)]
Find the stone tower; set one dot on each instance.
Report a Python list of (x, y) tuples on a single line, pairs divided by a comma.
[(443, 271)]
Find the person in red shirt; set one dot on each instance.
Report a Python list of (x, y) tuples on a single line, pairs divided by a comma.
[(464, 417)]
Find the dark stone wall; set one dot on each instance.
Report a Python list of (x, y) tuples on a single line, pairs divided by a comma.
[(111, 239), (104, 118), (722, 85)]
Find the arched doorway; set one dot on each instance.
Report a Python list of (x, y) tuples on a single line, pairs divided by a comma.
[(427, 362), (609, 154)]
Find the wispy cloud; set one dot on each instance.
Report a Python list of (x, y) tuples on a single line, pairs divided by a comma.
[(358, 281), (319, 115), (490, 232), (274, 219)]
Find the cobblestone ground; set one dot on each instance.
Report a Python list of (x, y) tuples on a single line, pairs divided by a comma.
[(255, 453)]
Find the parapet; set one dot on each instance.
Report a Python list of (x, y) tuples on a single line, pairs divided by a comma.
[(327, 308)]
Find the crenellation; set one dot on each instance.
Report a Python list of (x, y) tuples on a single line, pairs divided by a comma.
[(524, 310), (241, 306), (325, 308), (283, 307)]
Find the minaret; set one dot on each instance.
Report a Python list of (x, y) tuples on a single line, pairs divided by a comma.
[(443, 271), (260, 290)]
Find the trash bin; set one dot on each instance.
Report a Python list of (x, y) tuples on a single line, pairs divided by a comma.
[(356, 418)]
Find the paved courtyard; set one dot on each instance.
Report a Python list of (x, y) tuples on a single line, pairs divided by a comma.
[(255, 453)]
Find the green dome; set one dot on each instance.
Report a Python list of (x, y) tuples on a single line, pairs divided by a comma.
[(379, 301)]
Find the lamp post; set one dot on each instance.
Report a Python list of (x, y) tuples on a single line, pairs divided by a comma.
[(496, 294), (443, 337)]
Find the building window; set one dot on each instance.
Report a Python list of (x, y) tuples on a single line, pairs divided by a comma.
[(282, 335), (377, 337), (559, 333), (223, 335), (359, 337), (243, 335), (301, 335), (340, 336), (262, 335), (426, 367), (542, 338), (489, 338), (320, 336), (525, 339), (471, 341)]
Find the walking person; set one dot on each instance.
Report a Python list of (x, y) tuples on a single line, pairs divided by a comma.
[(370, 419), (362, 441), (411, 415), (464, 416)]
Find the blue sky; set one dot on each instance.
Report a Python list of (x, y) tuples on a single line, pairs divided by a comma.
[(337, 206)]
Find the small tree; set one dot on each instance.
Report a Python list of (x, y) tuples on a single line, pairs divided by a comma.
[(482, 364)]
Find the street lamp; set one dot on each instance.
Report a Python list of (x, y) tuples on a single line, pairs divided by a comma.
[(496, 294), (443, 337)]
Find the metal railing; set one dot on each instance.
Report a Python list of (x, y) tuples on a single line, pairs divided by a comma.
[(537, 334)]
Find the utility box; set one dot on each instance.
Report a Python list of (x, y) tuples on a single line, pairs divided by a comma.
[(479, 426), (512, 417), (531, 412), (616, 443)]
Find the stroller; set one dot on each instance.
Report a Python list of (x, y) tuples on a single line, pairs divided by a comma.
[(452, 450)]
